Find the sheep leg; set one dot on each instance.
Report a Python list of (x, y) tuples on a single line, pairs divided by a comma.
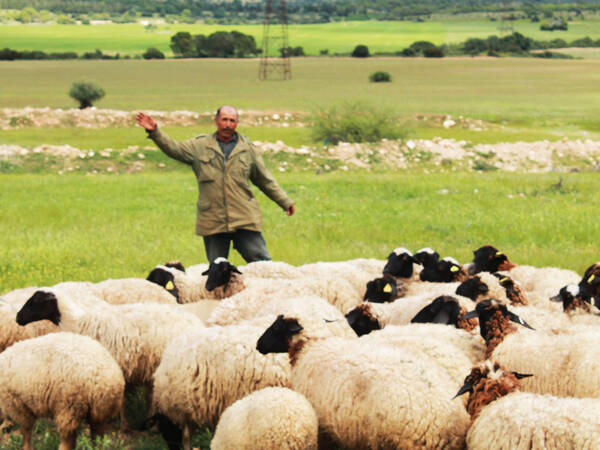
[(27, 431), (67, 439), (149, 406), (187, 437), (97, 429)]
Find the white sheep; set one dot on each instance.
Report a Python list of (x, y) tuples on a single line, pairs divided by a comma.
[(135, 334), (258, 291), (352, 272), (205, 370), (11, 331), (64, 376), (131, 290), (568, 365), (504, 417), (232, 311), (271, 269), (370, 396), (273, 418), (441, 352)]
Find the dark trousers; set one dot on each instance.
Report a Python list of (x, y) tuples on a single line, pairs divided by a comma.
[(250, 244)]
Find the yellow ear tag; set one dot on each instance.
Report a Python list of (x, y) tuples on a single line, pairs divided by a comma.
[(504, 280), (169, 286), (453, 269), (387, 288), (591, 278)]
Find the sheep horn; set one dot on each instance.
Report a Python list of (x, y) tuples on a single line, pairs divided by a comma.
[(522, 375), (467, 387)]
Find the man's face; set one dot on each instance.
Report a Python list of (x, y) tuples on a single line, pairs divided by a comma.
[(226, 123)]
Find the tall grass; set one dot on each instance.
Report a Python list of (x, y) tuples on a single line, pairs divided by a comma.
[(356, 122), (97, 227)]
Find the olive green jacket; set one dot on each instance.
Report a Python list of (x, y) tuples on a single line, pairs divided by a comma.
[(225, 201)]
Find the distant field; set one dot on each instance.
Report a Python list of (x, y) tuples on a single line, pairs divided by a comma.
[(546, 93), (339, 37)]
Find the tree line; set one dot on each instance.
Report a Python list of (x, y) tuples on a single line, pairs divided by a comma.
[(224, 44), (302, 11)]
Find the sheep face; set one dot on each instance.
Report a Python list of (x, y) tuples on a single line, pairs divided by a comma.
[(42, 305), (494, 319), (427, 256), (276, 338), (381, 290), (590, 283), (446, 270), (165, 279), (486, 383), (362, 321), (444, 309), (489, 259), (472, 288), (513, 291), (573, 298), (400, 265), (219, 273)]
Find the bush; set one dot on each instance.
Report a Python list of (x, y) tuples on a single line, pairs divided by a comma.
[(360, 51), (433, 52), (153, 53), (356, 122), (86, 92), (379, 77)]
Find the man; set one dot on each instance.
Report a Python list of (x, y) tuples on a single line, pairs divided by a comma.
[(224, 163)]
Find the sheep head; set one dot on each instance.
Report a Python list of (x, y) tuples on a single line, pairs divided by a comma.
[(472, 288), (573, 298), (487, 382), (277, 338), (42, 305), (400, 263), (513, 291), (362, 321), (489, 259), (164, 277), (445, 270), (444, 309), (383, 290), (494, 322), (219, 273)]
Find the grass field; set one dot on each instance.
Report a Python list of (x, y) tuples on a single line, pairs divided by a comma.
[(533, 92), (97, 227), (338, 37)]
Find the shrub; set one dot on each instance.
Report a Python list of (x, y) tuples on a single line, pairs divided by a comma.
[(379, 77), (433, 52), (356, 122), (419, 47), (153, 53), (360, 51), (86, 92)]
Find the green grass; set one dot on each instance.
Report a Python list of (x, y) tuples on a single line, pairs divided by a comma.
[(337, 37), (534, 92), (97, 227)]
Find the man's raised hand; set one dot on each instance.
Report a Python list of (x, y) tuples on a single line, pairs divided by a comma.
[(145, 121)]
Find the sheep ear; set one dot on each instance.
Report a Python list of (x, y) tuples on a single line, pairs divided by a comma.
[(556, 298), (470, 315), (514, 318), (294, 327), (329, 320), (522, 375), (236, 270), (467, 387), (205, 272)]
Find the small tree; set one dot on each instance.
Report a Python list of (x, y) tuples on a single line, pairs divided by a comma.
[(153, 53), (360, 51), (380, 76), (86, 92)]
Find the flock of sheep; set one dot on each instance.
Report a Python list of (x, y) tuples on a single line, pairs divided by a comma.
[(359, 354)]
